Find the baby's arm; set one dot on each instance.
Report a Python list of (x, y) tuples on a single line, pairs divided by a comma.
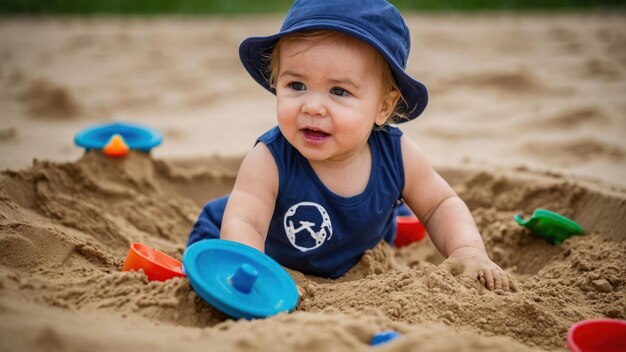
[(251, 203), (449, 222)]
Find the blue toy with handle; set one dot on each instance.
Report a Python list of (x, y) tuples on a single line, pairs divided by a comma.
[(137, 137), (239, 280)]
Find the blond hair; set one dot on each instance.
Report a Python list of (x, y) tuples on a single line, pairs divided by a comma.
[(388, 81)]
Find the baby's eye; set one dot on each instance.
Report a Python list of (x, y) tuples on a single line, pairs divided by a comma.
[(296, 86), (339, 91)]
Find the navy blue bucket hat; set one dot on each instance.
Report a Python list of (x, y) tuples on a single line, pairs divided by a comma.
[(375, 22)]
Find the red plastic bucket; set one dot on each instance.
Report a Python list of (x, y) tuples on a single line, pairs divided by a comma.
[(409, 230), (606, 335), (157, 265)]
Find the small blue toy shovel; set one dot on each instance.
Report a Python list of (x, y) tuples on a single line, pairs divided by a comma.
[(550, 226), (239, 280)]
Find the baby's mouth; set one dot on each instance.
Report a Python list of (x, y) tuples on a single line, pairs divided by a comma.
[(315, 134)]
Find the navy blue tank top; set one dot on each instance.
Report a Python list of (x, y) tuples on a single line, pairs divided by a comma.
[(318, 232)]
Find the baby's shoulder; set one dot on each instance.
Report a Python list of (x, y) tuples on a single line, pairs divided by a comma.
[(270, 136)]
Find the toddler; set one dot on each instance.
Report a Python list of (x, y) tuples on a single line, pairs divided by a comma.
[(324, 185)]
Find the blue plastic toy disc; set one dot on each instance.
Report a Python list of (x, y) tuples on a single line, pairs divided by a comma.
[(239, 280), (384, 337), (137, 137)]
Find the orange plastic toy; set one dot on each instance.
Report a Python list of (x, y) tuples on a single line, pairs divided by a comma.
[(409, 230), (157, 265), (116, 147)]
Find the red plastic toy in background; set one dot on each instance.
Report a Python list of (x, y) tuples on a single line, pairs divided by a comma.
[(606, 335), (409, 230), (157, 265)]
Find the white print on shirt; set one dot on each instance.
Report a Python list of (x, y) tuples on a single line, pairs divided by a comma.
[(319, 233)]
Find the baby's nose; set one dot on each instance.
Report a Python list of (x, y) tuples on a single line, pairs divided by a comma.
[(314, 104)]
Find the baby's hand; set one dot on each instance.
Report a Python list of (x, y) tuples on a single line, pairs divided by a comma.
[(475, 264)]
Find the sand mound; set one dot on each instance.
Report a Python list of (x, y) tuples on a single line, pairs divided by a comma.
[(45, 99), (66, 228)]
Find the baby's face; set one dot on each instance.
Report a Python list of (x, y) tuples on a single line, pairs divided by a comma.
[(329, 95)]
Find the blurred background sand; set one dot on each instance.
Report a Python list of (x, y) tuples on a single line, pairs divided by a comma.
[(543, 91)]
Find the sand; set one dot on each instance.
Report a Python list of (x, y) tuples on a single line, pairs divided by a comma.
[(527, 111)]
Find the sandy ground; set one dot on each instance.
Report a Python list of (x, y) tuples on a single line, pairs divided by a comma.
[(525, 112)]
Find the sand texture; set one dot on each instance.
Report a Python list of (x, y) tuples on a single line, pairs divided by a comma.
[(526, 112)]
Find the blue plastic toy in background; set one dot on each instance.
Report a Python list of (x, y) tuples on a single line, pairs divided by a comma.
[(239, 280), (137, 137), (384, 337)]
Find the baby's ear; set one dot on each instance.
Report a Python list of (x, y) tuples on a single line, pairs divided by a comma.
[(387, 107)]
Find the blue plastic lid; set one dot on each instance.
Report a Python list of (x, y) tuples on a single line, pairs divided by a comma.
[(137, 137), (384, 337), (239, 280)]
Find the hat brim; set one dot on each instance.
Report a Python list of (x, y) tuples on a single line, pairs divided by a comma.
[(254, 53)]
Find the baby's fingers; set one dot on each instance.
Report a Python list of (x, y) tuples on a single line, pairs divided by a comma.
[(504, 279), (513, 284), (498, 281), (486, 278)]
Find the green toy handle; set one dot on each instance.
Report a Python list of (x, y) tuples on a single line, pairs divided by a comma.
[(552, 227)]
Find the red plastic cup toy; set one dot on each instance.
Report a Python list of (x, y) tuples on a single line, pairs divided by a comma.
[(606, 335), (157, 265), (409, 230)]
